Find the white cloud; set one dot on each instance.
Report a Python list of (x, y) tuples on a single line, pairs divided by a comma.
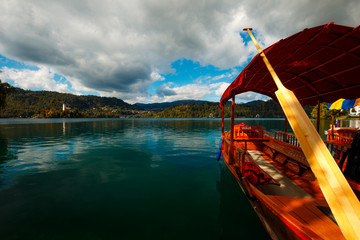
[(219, 88), (168, 92), (250, 96), (190, 91), (113, 47), (228, 75), (155, 76), (219, 77), (43, 78)]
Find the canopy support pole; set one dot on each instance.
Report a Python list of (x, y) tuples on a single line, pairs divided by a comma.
[(222, 121), (318, 117), (285, 129), (341, 199), (285, 126), (232, 130), (332, 124)]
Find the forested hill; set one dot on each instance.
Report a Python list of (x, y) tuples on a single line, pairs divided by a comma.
[(47, 104), (268, 109), (25, 103), (164, 105)]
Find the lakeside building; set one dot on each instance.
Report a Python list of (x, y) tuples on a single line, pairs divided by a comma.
[(355, 111)]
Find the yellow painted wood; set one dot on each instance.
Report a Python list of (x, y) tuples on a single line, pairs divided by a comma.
[(340, 197), (337, 105)]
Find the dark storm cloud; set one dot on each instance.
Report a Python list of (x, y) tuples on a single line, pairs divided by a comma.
[(123, 80), (164, 91), (44, 53), (112, 46)]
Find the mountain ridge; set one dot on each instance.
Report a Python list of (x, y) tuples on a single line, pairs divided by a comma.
[(50, 104), (164, 105)]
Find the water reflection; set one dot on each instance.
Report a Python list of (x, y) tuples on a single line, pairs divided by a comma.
[(233, 200), (80, 179), (31, 148), (102, 179), (28, 147)]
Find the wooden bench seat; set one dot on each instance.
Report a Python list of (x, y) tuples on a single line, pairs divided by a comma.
[(293, 153)]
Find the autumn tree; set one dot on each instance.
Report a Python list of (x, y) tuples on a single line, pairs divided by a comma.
[(5, 88)]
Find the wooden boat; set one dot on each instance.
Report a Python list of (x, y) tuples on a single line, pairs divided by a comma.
[(341, 134), (294, 185)]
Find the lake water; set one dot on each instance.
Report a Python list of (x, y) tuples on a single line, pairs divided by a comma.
[(121, 179)]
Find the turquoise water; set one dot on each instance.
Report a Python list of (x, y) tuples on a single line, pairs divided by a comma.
[(120, 179)]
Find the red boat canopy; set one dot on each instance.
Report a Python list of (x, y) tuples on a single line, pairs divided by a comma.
[(317, 64)]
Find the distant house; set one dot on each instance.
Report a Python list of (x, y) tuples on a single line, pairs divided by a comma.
[(355, 111), (64, 107)]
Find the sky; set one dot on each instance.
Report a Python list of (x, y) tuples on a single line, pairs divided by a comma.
[(146, 51)]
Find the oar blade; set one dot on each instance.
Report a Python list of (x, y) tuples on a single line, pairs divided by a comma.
[(339, 195)]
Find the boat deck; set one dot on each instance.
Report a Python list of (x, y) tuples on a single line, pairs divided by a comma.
[(287, 187), (296, 204), (314, 214), (298, 198), (304, 185)]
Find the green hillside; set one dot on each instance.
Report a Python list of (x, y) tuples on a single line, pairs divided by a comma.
[(47, 104), (268, 109), (25, 103)]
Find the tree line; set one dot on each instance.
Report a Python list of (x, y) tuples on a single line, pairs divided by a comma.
[(20, 103), (268, 109)]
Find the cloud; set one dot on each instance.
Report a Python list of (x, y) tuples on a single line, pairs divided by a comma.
[(166, 93), (43, 78), (220, 88), (219, 77), (120, 48), (164, 90), (231, 74), (112, 46), (155, 76), (250, 96), (278, 19), (189, 91)]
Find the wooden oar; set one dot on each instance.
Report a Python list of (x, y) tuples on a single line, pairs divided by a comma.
[(338, 194)]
